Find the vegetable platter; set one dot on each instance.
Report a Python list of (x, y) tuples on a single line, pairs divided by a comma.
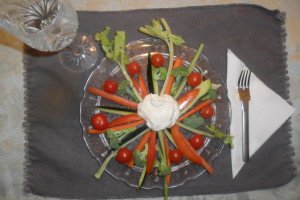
[(154, 113)]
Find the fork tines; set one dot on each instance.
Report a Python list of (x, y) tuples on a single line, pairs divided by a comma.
[(243, 85), (244, 79)]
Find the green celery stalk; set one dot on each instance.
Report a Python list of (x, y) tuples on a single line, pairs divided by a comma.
[(104, 164), (190, 69), (115, 50), (195, 130), (166, 191), (168, 134), (162, 144), (161, 29), (119, 112)]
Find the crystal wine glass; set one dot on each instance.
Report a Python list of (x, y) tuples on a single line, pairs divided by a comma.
[(50, 26)]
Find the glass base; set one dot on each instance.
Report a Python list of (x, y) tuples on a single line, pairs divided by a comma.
[(80, 55)]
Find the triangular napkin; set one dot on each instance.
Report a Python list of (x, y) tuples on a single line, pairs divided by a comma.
[(261, 124)]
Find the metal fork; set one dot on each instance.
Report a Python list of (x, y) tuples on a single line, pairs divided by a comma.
[(244, 96)]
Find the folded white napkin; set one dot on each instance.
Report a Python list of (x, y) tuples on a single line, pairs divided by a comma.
[(267, 112)]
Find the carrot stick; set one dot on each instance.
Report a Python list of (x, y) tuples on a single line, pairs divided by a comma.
[(187, 150), (195, 109), (170, 84), (177, 63), (143, 141), (95, 131), (204, 163), (130, 125), (131, 163), (139, 147), (119, 127), (137, 86), (112, 97), (168, 179), (124, 119), (143, 84), (151, 156), (187, 98)]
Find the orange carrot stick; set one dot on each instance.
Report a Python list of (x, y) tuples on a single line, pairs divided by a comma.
[(143, 84), (119, 127), (187, 150), (95, 131), (170, 84), (195, 109), (187, 98), (139, 147), (137, 86), (129, 125), (177, 63), (112, 97), (151, 156), (124, 119), (143, 141)]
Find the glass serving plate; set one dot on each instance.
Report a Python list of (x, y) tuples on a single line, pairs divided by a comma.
[(98, 144)]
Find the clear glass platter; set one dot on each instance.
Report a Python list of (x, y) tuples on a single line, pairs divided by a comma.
[(98, 144)]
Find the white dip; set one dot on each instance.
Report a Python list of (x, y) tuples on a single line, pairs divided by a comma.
[(160, 112)]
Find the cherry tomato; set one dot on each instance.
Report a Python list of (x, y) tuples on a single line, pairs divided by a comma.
[(124, 155), (157, 60), (175, 156), (197, 141), (99, 121), (133, 68), (110, 86), (207, 112), (194, 79)]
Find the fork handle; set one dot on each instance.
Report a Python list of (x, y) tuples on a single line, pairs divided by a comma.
[(245, 131)]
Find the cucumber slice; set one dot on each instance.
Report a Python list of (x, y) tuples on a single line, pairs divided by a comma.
[(149, 75)]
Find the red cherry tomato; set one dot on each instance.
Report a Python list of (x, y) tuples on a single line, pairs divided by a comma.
[(124, 155), (157, 60), (110, 86), (133, 68), (207, 112), (194, 79), (197, 141), (175, 156), (99, 121)]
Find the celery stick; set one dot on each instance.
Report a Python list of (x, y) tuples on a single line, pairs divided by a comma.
[(195, 130), (190, 69)]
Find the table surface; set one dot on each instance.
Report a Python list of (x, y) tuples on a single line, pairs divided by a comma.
[(12, 96)]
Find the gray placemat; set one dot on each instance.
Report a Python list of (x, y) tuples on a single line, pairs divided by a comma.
[(58, 164)]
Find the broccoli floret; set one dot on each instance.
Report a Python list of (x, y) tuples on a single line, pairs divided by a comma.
[(160, 73), (180, 71), (163, 168), (161, 164), (124, 88), (116, 136), (140, 157), (194, 121), (211, 94), (179, 74)]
